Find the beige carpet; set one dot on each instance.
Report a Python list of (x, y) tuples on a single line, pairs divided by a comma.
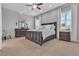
[(22, 47)]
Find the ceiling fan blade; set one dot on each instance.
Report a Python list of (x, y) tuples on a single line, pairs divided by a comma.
[(28, 5), (38, 8), (39, 3)]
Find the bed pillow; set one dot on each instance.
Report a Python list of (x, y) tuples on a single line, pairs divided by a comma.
[(47, 27), (41, 28), (52, 27)]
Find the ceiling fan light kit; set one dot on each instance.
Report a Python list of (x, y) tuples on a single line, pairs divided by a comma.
[(35, 6)]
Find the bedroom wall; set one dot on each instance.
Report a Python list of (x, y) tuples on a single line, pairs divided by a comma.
[(9, 19), (50, 16), (0, 27)]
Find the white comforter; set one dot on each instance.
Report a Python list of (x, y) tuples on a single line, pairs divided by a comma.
[(45, 32)]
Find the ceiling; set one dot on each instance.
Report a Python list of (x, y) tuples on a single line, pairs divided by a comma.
[(21, 8)]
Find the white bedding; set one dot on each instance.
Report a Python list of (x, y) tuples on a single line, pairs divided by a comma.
[(46, 31)]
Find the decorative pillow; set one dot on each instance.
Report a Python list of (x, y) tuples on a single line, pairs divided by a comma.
[(41, 27), (52, 26), (48, 27)]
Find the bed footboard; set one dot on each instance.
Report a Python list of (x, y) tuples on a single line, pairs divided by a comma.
[(34, 36)]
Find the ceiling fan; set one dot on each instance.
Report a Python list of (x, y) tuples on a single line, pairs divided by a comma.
[(35, 6)]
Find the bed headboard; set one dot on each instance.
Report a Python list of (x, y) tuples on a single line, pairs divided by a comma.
[(55, 24)]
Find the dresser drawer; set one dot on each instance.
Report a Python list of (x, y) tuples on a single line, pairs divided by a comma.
[(64, 36), (20, 32)]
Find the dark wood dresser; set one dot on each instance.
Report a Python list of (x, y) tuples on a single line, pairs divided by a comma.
[(20, 32), (64, 36)]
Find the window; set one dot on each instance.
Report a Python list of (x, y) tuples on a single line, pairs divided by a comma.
[(66, 19)]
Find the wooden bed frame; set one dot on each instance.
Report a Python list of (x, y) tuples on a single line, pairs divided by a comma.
[(36, 36)]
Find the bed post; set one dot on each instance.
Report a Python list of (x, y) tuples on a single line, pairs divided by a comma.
[(41, 39), (55, 24)]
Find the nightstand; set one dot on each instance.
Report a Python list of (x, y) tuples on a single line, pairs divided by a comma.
[(65, 36)]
